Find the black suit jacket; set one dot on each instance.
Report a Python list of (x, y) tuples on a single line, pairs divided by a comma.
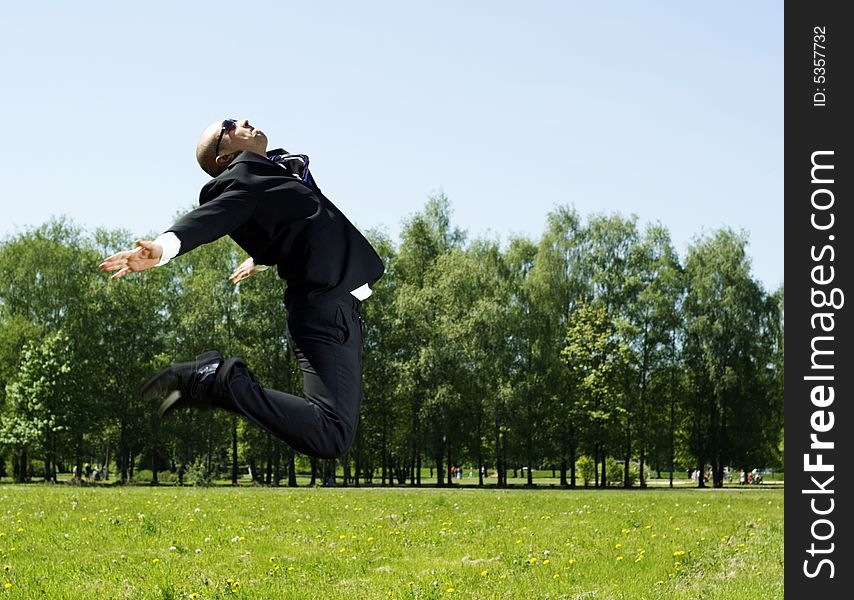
[(279, 220)]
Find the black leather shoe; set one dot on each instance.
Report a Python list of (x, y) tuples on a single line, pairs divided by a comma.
[(190, 383)]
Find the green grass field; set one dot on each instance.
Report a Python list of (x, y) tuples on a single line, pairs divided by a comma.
[(167, 542)]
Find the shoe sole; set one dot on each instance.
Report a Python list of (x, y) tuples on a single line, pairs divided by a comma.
[(166, 405), (153, 385)]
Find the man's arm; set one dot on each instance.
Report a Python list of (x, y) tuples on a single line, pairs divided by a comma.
[(225, 203)]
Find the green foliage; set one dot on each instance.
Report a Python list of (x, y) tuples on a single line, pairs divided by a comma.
[(591, 340), (586, 467), (35, 398), (198, 474)]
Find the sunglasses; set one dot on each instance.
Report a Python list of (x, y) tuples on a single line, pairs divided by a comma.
[(227, 125)]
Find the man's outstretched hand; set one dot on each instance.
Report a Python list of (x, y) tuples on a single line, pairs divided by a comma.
[(146, 255), (246, 269)]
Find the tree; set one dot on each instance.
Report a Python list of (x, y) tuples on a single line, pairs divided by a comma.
[(559, 279), (36, 400), (597, 358), (728, 342), (425, 237), (651, 320)]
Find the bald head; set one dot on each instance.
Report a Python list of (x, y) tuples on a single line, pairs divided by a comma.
[(205, 150), (232, 141)]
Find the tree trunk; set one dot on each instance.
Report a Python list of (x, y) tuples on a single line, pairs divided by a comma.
[(572, 459), (563, 482), (292, 468), (346, 463), (604, 470), (641, 477), (122, 456), (672, 431), (234, 466), (384, 465), (277, 464), (628, 459), (313, 472), (268, 460), (22, 474), (106, 463)]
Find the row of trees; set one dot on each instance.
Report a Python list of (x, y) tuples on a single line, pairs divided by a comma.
[(594, 341)]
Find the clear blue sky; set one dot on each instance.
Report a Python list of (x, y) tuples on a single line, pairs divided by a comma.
[(672, 111)]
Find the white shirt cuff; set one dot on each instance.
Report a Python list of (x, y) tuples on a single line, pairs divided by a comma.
[(171, 246), (362, 292)]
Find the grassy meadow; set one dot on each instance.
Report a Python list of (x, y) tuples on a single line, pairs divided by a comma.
[(59, 541)]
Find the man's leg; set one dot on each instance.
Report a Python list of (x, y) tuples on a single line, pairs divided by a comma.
[(327, 341)]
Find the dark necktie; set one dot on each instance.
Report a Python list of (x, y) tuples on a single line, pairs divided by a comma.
[(295, 164)]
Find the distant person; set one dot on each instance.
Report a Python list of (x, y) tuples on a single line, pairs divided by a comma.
[(269, 204)]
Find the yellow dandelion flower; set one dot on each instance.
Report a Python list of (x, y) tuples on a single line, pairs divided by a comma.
[(450, 590), (679, 553), (617, 546), (619, 558), (503, 576), (572, 561), (155, 561), (484, 573), (7, 585), (532, 560), (518, 541), (547, 561), (556, 576)]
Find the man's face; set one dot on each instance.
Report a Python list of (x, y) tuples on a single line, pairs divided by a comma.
[(242, 137)]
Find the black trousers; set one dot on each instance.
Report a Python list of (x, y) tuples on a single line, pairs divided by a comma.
[(327, 341)]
